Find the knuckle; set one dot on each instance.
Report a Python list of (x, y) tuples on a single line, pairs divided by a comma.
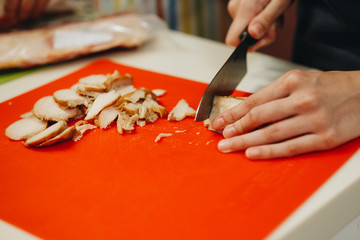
[(310, 101), (293, 79), (329, 139), (241, 127), (271, 134)]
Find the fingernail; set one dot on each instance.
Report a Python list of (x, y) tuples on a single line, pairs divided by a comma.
[(218, 123), (252, 153), (258, 30), (229, 131), (224, 146)]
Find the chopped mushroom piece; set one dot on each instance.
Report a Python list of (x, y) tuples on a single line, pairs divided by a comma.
[(221, 104), (116, 81), (102, 102), (152, 105), (180, 111), (46, 134), (107, 116), (26, 115), (69, 98), (25, 128), (65, 135), (81, 127), (125, 122), (159, 92), (47, 109), (92, 83), (161, 135)]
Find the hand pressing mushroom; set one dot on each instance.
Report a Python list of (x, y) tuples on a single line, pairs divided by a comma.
[(221, 104)]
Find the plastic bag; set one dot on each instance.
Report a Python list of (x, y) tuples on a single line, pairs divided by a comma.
[(45, 45)]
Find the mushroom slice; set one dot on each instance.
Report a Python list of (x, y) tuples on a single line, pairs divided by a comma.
[(93, 83), (69, 98), (154, 106), (161, 135), (180, 111), (65, 135), (27, 114), (47, 109), (116, 81), (126, 89), (131, 108), (46, 134), (158, 92), (221, 104), (81, 127), (107, 116), (126, 122), (102, 102), (25, 128), (134, 96)]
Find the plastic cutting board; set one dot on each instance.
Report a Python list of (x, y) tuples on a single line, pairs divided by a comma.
[(112, 186)]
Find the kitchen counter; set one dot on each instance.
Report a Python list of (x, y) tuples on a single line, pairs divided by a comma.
[(324, 215)]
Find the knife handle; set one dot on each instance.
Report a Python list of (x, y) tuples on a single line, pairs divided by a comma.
[(245, 36)]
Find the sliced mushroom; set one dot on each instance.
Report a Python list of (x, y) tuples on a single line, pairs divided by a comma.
[(131, 108), (116, 81), (69, 98), (134, 96), (107, 116), (162, 135), (159, 92), (47, 109), (102, 102), (65, 135), (125, 122), (221, 104), (46, 134), (180, 111), (93, 83), (27, 114), (81, 127), (25, 128), (154, 106)]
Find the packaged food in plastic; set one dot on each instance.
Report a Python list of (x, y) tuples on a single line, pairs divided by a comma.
[(25, 48)]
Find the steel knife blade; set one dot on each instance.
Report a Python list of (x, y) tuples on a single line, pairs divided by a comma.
[(227, 78)]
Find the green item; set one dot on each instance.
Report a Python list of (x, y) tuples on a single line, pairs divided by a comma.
[(8, 75)]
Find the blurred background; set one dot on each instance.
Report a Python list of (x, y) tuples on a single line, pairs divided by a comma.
[(204, 18)]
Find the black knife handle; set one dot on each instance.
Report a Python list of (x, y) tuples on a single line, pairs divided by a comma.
[(245, 36)]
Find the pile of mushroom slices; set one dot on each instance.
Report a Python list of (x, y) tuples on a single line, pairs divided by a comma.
[(98, 99)]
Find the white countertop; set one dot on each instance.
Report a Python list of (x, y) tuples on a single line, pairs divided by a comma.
[(323, 215)]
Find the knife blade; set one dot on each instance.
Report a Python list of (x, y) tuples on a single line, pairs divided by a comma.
[(227, 78)]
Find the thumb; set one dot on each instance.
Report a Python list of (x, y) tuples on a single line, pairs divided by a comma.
[(261, 24)]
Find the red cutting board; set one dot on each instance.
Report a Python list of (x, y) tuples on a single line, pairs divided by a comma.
[(112, 186)]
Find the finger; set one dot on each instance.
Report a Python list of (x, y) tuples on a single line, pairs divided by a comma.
[(232, 7), (261, 24), (270, 112), (273, 133), (25, 9), (243, 13), (266, 40), (280, 88), (300, 145)]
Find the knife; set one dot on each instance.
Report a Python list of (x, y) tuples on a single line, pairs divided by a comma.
[(227, 78)]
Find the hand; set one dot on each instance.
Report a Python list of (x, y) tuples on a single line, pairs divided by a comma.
[(300, 112), (17, 11), (259, 15)]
